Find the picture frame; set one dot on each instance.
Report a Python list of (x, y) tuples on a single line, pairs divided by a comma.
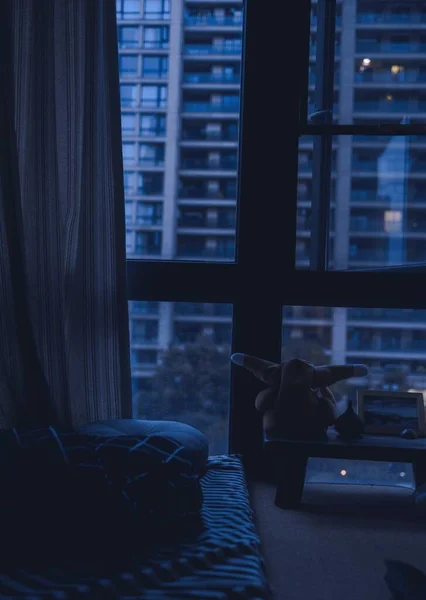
[(389, 413)]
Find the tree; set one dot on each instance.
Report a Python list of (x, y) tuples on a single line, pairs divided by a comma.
[(192, 385)]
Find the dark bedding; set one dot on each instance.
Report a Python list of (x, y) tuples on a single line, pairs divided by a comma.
[(219, 558)]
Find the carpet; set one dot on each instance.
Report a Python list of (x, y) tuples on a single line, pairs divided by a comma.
[(336, 546)]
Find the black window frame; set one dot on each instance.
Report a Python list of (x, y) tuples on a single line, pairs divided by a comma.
[(264, 278)]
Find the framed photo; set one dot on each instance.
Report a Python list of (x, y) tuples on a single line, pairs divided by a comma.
[(389, 413)]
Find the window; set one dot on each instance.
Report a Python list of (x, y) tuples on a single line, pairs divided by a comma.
[(337, 216), (128, 9), (128, 65), (128, 123), (151, 154), (128, 154), (154, 96), (129, 182), (129, 212), (170, 365), (148, 213), (144, 332), (128, 37), (155, 66), (150, 184), (156, 37), (148, 242), (153, 125), (157, 9), (128, 95)]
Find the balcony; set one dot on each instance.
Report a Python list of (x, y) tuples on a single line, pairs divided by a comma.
[(387, 345), (207, 253), (212, 78), (363, 46), (200, 193), (204, 135), (210, 107), (380, 18), (387, 314), (209, 49), (378, 226), (187, 222), (407, 76), (390, 106), (214, 20), (375, 198), (225, 164)]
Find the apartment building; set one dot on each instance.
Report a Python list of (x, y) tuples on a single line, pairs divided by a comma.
[(180, 71)]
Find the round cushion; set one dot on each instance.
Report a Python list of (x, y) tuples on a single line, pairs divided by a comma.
[(194, 444)]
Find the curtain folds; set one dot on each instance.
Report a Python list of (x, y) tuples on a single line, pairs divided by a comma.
[(64, 348)]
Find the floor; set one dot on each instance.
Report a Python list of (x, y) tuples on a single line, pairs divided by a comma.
[(335, 547)]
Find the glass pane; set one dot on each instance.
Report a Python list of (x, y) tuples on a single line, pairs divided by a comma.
[(314, 64), (180, 365), (187, 101), (380, 67), (377, 202), (391, 342)]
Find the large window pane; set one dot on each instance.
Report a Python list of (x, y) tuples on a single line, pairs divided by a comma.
[(391, 342), (379, 68), (187, 101), (180, 365), (377, 202)]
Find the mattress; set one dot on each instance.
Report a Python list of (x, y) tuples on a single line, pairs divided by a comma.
[(221, 560)]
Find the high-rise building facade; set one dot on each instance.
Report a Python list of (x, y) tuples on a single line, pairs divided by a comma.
[(180, 72)]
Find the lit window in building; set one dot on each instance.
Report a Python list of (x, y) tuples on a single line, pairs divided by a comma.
[(393, 221)]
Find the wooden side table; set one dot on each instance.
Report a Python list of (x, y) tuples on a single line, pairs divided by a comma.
[(292, 458)]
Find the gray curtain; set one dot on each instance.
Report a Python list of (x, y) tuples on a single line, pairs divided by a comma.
[(64, 351)]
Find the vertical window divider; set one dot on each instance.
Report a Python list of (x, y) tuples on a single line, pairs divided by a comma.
[(323, 145)]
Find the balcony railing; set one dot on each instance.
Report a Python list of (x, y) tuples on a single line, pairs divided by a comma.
[(370, 196), (204, 135), (201, 163), (407, 76), (407, 106), (200, 49), (211, 20), (206, 253), (384, 345), (378, 226), (374, 18), (211, 78), (210, 107), (201, 193), (387, 314), (204, 223), (391, 47)]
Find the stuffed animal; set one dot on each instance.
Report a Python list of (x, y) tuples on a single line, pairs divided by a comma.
[(298, 401)]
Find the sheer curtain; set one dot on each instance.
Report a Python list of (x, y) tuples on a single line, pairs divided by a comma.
[(64, 351)]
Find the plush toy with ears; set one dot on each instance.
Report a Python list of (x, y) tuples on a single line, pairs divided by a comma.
[(298, 401)]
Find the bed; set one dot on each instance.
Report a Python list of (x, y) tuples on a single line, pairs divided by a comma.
[(219, 558)]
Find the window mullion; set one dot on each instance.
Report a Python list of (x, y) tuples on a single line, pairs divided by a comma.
[(322, 151)]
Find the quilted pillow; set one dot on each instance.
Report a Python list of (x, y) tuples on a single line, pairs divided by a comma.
[(57, 501), (158, 484)]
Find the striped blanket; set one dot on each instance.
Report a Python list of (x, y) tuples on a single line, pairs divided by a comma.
[(220, 561)]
